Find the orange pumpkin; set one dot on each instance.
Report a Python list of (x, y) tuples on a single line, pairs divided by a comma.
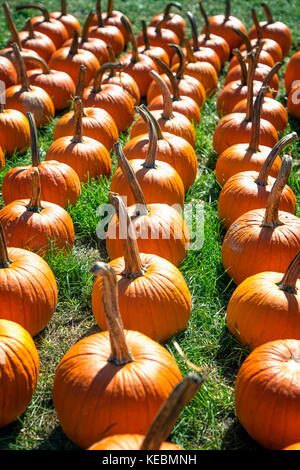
[(267, 394), (153, 52), (249, 190), (271, 110), (160, 36), (70, 22), (172, 21), (8, 73), (14, 131), (292, 72), (162, 424), (88, 157), (20, 368), (262, 239), (34, 224), (293, 102), (126, 374), (28, 290), (114, 18), (59, 182), (161, 228)]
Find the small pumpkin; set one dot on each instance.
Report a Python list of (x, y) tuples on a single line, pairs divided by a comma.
[(111, 367), (160, 36), (20, 367), (153, 52), (8, 73), (114, 18), (292, 72), (70, 22), (14, 131), (172, 21)]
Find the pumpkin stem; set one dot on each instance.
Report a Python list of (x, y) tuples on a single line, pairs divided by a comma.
[(167, 100), (168, 7), (1, 108), (63, 7), (35, 153), (24, 80), (227, 10), (99, 14), (271, 73), (256, 24), (182, 62), (250, 78), (12, 27), (289, 281), (155, 123), (268, 13), (5, 262), (29, 28), (74, 45), (133, 264), (194, 29), (189, 51), (110, 7), (163, 423), (173, 80), (152, 148), (135, 52), (160, 25), (244, 37), (206, 20), (35, 200), (80, 82), (271, 219), (36, 6), (255, 130), (241, 61), (45, 67), (266, 167), (145, 36), (97, 86), (135, 187), (78, 111), (120, 354), (86, 26), (112, 58)]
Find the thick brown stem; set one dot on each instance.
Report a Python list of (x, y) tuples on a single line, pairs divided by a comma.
[(11, 24), (5, 262), (268, 13), (289, 281), (256, 24), (36, 6), (267, 165), (168, 7), (250, 79), (155, 123), (244, 37), (189, 52), (241, 61), (167, 100), (80, 82), (171, 77), (128, 172), (44, 66), (74, 45), (120, 354), (110, 9), (160, 25), (34, 144), (271, 219), (99, 14), (206, 20), (63, 7), (145, 36), (85, 29), (167, 416), (1, 107), (35, 199), (194, 30), (97, 86), (271, 73), (134, 46), (29, 28), (24, 80), (78, 112), (182, 62), (255, 130), (133, 264), (227, 10), (152, 148)]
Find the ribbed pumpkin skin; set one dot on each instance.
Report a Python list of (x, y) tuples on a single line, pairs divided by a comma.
[(126, 82), (2, 158), (19, 368), (41, 44), (205, 72), (127, 442), (34, 231), (238, 158), (259, 311), (281, 35), (270, 46), (139, 71), (217, 44), (63, 61), (96, 124), (264, 58), (241, 194), (260, 73), (204, 54), (93, 45), (157, 304), (35, 101), (248, 248), (172, 149), (8, 73), (292, 71), (272, 111), (232, 94), (185, 105), (176, 24), (60, 183), (180, 126), (160, 185), (53, 28), (267, 394), (91, 394), (89, 158), (111, 35), (14, 131), (69, 22), (162, 39), (219, 27), (59, 86), (293, 104), (161, 219), (28, 291), (233, 129)]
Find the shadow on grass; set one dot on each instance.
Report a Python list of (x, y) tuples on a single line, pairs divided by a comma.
[(236, 438), (9, 435), (57, 440)]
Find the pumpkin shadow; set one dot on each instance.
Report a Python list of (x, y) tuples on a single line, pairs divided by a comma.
[(9, 434), (236, 438), (57, 440)]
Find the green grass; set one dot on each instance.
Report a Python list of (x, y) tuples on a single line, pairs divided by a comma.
[(209, 421)]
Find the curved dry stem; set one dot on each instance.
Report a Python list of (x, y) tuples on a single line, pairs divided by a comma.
[(97, 86), (168, 7), (99, 14), (206, 20), (289, 281), (244, 37), (152, 148), (194, 29), (86, 26), (34, 204), (155, 123), (80, 82), (241, 61), (167, 100), (5, 262), (78, 113), (268, 13), (74, 45), (44, 66), (24, 80), (255, 130), (36, 6), (135, 52), (182, 61), (11, 25), (171, 77), (34, 143)]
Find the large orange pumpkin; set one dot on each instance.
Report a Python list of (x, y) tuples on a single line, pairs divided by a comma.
[(19, 370), (173, 21), (28, 290), (14, 131), (112, 382), (70, 22)]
